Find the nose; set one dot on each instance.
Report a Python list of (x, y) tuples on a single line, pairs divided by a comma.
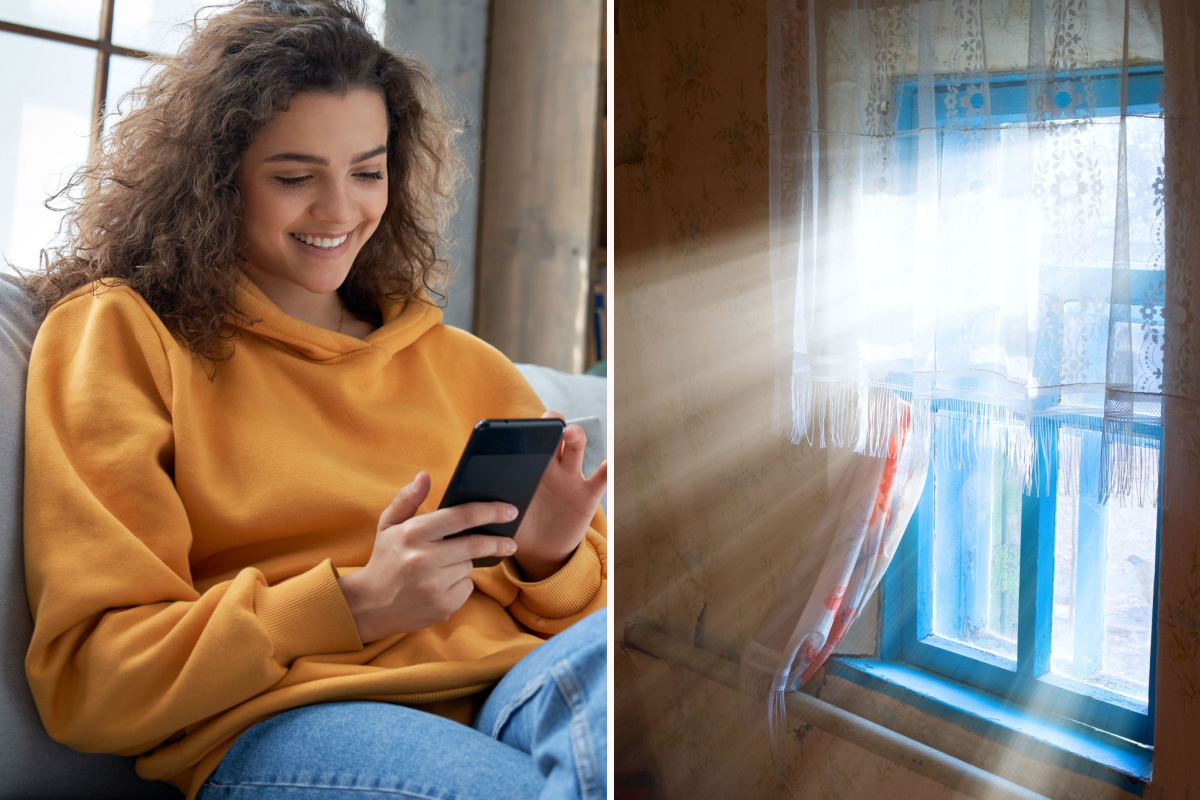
[(332, 205)]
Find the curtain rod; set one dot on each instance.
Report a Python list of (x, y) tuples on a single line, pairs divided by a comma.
[(912, 755)]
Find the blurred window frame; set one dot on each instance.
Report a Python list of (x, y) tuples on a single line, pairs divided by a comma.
[(104, 48)]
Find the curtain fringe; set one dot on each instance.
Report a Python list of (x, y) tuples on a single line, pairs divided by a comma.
[(862, 417), (758, 672)]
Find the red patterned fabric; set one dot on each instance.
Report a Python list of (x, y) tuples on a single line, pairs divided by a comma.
[(867, 514)]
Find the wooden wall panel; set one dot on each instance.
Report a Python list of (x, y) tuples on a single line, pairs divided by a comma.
[(449, 37), (535, 231)]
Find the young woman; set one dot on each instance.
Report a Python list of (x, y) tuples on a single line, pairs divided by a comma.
[(239, 364)]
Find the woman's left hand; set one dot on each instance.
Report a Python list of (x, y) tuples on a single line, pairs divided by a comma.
[(565, 502)]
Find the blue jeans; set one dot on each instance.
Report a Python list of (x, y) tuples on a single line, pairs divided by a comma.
[(541, 734)]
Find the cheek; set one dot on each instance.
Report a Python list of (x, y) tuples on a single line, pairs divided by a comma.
[(252, 214), (264, 214), (373, 207), (378, 204)]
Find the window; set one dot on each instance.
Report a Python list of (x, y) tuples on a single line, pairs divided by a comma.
[(64, 64), (1036, 596)]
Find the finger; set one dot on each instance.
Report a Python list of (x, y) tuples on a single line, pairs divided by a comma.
[(574, 442), (453, 573), (406, 502), (451, 553), (456, 519), (598, 483), (553, 415), (458, 593)]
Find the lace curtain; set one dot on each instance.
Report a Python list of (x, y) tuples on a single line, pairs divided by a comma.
[(968, 218)]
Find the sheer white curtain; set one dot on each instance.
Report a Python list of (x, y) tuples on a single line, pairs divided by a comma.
[(971, 220), (967, 214)]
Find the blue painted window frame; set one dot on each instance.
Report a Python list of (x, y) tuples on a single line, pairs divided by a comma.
[(906, 610)]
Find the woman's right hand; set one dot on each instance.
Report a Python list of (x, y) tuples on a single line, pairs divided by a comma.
[(415, 577)]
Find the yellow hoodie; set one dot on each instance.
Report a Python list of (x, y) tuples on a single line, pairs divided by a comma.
[(183, 536)]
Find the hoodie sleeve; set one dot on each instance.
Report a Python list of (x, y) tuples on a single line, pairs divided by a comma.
[(578, 588), (125, 650)]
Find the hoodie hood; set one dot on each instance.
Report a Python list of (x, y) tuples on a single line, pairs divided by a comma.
[(403, 324)]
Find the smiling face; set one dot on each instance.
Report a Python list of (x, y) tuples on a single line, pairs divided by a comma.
[(314, 187)]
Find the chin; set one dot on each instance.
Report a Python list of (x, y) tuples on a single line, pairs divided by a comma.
[(324, 284), (321, 278)]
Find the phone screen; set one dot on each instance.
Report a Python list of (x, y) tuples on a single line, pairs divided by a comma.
[(503, 461)]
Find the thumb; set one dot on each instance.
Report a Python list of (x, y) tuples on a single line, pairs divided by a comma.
[(406, 502)]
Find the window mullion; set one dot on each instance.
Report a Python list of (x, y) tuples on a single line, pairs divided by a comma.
[(1036, 598), (103, 57), (1091, 568), (1153, 677), (922, 567)]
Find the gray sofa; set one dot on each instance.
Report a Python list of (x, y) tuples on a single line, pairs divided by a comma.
[(32, 765)]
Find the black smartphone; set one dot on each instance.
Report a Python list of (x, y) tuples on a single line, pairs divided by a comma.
[(504, 460)]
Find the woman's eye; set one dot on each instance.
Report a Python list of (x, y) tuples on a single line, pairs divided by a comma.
[(292, 181), (366, 177)]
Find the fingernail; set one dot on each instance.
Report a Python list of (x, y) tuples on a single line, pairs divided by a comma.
[(509, 547), (510, 512)]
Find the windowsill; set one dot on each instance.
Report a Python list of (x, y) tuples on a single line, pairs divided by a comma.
[(1079, 748)]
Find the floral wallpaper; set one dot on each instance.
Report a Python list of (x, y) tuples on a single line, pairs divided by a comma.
[(712, 504)]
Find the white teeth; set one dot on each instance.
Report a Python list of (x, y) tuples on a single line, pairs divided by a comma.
[(316, 241)]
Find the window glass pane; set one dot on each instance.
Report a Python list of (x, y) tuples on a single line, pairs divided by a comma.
[(377, 17), (1103, 580), (43, 136), (976, 548), (76, 17), (124, 75), (156, 26)]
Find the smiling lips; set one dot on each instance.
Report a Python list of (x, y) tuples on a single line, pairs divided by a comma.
[(320, 242)]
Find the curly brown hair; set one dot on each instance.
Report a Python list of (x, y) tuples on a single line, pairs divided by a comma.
[(159, 206)]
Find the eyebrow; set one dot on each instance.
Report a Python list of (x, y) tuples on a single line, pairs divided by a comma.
[(305, 158)]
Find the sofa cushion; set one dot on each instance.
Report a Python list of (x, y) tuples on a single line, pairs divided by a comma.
[(32, 765)]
